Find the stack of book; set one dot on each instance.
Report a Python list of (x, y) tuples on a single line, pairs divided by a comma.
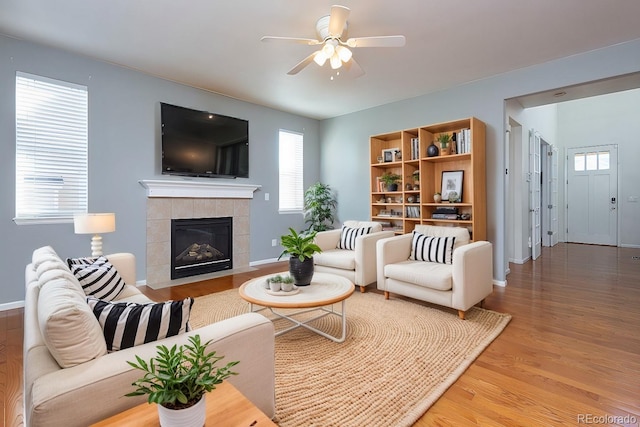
[(415, 148), (445, 213), (463, 141)]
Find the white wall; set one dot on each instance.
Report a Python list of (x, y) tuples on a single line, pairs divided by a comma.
[(543, 120), (610, 119)]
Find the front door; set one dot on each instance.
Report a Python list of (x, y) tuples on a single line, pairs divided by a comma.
[(592, 195)]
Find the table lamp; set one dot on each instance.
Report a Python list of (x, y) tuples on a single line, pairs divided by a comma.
[(94, 223)]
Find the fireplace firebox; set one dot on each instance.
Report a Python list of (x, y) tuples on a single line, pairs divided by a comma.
[(200, 246)]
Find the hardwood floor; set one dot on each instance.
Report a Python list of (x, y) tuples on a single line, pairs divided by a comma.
[(571, 351)]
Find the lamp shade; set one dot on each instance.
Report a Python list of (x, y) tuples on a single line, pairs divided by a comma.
[(94, 223)]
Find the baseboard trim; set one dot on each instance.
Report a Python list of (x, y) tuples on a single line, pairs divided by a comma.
[(11, 305), (501, 283), (625, 245), (265, 261)]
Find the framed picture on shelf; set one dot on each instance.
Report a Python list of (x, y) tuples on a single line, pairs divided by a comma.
[(452, 185), (389, 155)]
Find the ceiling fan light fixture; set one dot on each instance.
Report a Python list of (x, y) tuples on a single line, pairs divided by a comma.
[(335, 61), (320, 58), (329, 48), (344, 53)]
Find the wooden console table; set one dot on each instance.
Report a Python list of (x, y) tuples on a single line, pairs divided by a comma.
[(226, 407)]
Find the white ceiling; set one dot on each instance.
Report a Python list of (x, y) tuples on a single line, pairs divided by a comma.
[(215, 45)]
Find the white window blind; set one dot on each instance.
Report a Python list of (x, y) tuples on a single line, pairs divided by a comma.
[(51, 149), (290, 175)]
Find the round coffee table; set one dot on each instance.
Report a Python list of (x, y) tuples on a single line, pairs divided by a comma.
[(324, 291)]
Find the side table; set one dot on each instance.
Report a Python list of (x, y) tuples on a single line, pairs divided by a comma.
[(226, 407)]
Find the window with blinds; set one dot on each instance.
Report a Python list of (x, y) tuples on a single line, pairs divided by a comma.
[(51, 149), (290, 172)]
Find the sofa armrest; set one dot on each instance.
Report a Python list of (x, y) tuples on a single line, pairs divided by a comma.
[(125, 263), (67, 397), (472, 274), (366, 256), (328, 239), (390, 251)]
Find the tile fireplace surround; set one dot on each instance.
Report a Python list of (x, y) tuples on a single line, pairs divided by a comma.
[(167, 200)]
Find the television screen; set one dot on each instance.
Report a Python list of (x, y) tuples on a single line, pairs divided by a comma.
[(199, 143)]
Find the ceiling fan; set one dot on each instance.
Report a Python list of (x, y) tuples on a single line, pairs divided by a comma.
[(331, 31)]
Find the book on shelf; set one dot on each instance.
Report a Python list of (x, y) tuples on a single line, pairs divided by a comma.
[(444, 216), (413, 212), (463, 141), (415, 148), (446, 210)]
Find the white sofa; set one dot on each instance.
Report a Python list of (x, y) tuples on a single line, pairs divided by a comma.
[(467, 281), (358, 265), (90, 390)]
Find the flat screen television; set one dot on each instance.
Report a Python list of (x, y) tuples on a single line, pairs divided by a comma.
[(203, 144)]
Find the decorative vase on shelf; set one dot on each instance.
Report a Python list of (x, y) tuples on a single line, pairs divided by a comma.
[(432, 150), (437, 198)]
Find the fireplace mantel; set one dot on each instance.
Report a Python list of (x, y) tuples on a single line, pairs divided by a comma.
[(198, 189)]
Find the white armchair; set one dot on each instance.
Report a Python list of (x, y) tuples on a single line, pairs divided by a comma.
[(358, 264), (460, 279)]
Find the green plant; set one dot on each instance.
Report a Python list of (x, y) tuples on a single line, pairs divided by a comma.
[(280, 279), (390, 178), (444, 139), (319, 207), (300, 245), (178, 377), (416, 175)]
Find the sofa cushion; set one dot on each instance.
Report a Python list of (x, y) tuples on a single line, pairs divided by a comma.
[(68, 327), (432, 249), (98, 277), (426, 274), (460, 233), (336, 258), (127, 324), (348, 236)]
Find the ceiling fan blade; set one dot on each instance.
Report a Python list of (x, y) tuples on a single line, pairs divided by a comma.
[(306, 61), (338, 19), (309, 42), (353, 68), (377, 41)]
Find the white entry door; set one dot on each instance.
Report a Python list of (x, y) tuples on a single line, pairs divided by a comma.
[(535, 188), (592, 195)]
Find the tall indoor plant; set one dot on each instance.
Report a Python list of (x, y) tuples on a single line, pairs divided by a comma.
[(319, 207), (300, 248), (177, 379)]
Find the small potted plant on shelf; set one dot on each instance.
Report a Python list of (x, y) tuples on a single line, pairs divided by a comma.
[(300, 248), (177, 379), (444, 139), (391, 180), (437, 197)]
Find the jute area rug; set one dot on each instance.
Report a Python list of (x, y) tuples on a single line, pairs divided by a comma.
[(398, 358)]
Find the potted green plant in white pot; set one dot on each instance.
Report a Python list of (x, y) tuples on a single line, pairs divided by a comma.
[(177, 379), (300, 248)]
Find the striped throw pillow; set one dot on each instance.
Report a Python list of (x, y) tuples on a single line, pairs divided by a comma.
[(98, 277), (348, 236), (127, 324), (432, 249)]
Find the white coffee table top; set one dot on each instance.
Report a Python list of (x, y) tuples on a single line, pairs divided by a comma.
[(324, 289)]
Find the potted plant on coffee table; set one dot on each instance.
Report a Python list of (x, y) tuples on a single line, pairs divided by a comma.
[(177, 379), (300, 248)]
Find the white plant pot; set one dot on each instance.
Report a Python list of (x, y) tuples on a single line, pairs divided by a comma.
[(192, 416)]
